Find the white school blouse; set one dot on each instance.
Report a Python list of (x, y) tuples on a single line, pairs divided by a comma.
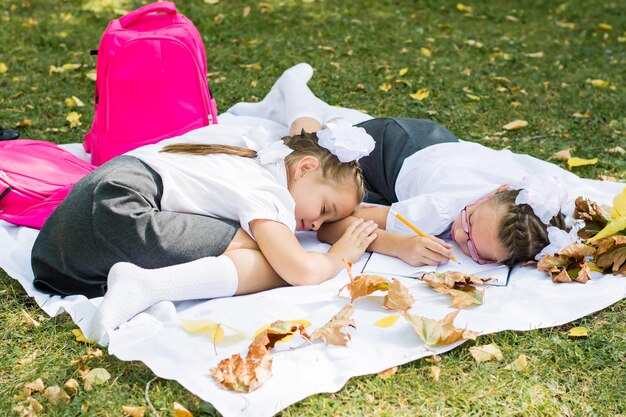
[(436, 183), (222, 186)]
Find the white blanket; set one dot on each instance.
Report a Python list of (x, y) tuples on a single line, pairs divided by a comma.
[(530, 301)]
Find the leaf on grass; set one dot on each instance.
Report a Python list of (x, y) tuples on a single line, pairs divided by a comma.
[(251, 67), (388, 373), (80, 337), (598, 83), (438, 332), (91, 353), (36, 386), (28, 320), (71, 385), (73, 118), (520, 364), (3, 68), (398, 297), (579, 162), (515, 125), (97, 376), (472, 97), (180, 411), (56, 395), (563, 155), (403, 72), (426, 52), (486, 353), (617, 149), (420, 94), (28, 358), (435, 371), (74, 101), (365, 285), (605, 26), (578, 332), (133, 411), (335, 332), (387, 321), (539, 54), (385, 87), (611, 254)]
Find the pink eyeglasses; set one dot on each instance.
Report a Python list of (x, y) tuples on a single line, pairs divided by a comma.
[(465, 223)]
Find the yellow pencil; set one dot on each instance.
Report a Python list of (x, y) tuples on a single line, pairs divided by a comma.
[(415, 229)]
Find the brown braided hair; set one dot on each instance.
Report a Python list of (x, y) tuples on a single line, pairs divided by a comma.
[(305, 144), (521, 232)]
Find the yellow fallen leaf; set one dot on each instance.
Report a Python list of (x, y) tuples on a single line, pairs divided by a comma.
[(578, 332), (618, 218), (211, 1), (24, 123), (80, 337), (387, 321), (565, 24), (563, 155), (73, 118), (515, 125), (385, 87), (578, 162), (605, 26), (28, 358), (502, 80), (133, 411), (599, 83), (388, 373), (515, 104), (435, 371), (403, 71), (92, 75), (463, 8), (420, 94), (71, 385), (472, 97), (97, 376), (519, 364), (539, 54), (180, 411), (74, 101), (28, 320), (256, 66), (246, 11), (70, 67), (426, 52), (486, 353), (209, 328), (288, 323), (3, 68)]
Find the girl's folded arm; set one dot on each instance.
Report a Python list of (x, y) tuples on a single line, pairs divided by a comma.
[(289, 259)]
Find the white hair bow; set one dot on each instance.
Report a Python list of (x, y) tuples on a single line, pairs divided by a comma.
[(545, 195), (268, 150), (348, 143)]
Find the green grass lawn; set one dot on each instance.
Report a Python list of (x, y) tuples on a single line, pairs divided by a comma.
[(484, 64)]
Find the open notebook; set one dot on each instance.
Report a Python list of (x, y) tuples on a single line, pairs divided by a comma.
[(379, 264)]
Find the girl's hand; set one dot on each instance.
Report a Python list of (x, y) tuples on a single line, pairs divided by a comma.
[(355, 240), (417, 250)]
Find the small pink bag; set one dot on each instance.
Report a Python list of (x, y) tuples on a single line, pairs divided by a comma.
[(151, 82), (35, 177)]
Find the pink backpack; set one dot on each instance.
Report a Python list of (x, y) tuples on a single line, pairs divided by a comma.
[(35, 177), (151, 82)]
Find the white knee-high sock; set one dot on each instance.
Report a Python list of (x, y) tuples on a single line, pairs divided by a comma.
[(132, 289)]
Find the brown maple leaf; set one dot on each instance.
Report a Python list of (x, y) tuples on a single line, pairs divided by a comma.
[(463, 295), (611, 254), (438, 332), (246, 375), (569, 264), (333, 332), (594, 216), (398, 297), (365, 285), (449, 278)]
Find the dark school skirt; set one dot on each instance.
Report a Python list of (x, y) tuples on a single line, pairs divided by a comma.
[(113, 215), (396, 139)]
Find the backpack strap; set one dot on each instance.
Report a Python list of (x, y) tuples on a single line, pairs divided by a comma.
[(160, 6)]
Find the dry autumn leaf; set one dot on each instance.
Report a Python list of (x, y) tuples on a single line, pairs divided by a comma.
[(420, 94), (365, 285), (515, 125), (448, 279), (611, 254), (569, 264), (486, 353), (426, 52), (3, 68), (97, 376), (36, 386), (605, 26), (73, 118), (398, 297), (71, 385), (388, 373), (435, 372), (180, 411), (133, 411), (579, 162), (578, 332), (438, 332), (463, 295), (599, 83), (520, 364), (56, 395), (385, 87), (563, 155), (403, 72), (617, 149), (335, 332), (594, 216)]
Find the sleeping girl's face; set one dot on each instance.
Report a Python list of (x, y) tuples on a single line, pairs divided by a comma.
[(475, 230)]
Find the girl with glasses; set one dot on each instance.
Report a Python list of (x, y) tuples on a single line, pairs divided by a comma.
[(445, 186)]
